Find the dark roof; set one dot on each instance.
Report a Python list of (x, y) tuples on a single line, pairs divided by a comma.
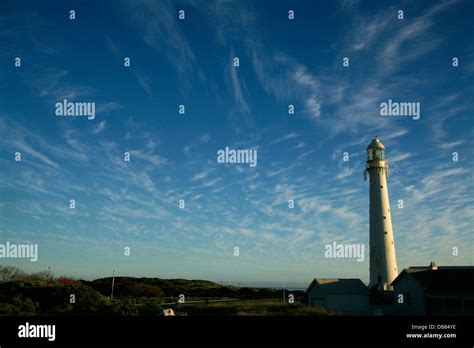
[(451, 279), (339, 286)]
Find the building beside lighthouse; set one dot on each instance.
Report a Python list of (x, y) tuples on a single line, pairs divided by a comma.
[(382, 259)]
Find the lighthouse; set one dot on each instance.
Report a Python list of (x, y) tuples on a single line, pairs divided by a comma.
[(383, 261)]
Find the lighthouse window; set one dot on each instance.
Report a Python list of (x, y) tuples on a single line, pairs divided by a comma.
[(385, 218), (381, 186), (380, 154), (385, 232), (369, 155)]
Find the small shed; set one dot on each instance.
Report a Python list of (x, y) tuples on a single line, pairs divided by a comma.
[(346, 296)]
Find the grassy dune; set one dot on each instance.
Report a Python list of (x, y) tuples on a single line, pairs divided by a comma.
[(43, 294)]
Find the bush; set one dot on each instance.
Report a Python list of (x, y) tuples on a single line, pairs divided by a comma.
[(140, 290), (122, 308), (87, 299), (19, 306), (66, 281), (38, 297), (11, 273), (151, 309)]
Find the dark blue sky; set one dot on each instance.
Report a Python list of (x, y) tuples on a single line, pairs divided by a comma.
[(173, 156)]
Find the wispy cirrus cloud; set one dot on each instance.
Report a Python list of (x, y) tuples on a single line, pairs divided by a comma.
[(415, 33), (107, 107), (161, 31), (291, 135), (143, 80), (19, 139), (99, 128), (55, 84), (238, 88), (276, 75), (452, 144), (396, 157), (346, 172), (202, 175)]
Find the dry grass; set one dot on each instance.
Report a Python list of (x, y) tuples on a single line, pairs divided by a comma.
[(273, 307)]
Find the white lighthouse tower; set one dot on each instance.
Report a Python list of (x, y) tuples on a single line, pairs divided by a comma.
[(383, 261)]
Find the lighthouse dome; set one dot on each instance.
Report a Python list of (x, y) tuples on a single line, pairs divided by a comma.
[(376, 144), (375, 150)]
